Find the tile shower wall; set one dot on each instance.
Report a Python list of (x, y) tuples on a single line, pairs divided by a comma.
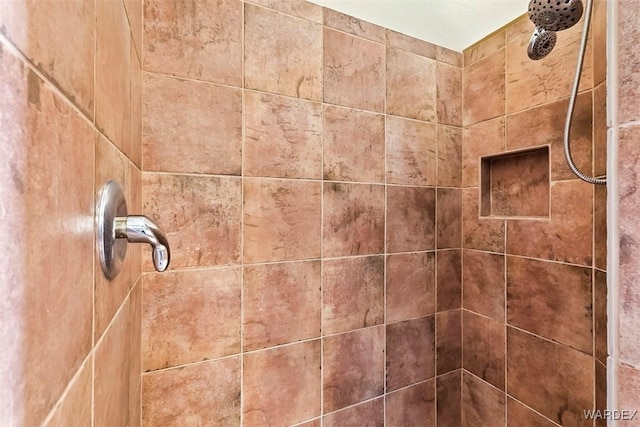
[(306, 166), (534, 290), (71, 119)]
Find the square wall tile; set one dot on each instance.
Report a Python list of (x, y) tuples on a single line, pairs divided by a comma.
[(411, 85), (600, 127), (199, 40), (538, 304), (354, 71), (601, 391), (520, 415), (629, 391), (480, 234), (191, 127), (410, 219), (411, 354), (283, 137), (485, 47), (600, 315), (190, 316), (449, 56), (411, 285), (411, 151), (417, 46), (354, 145), (353, 219), (75, 407), (205, 231), (483, 284), (449, 141), (370, 413), (352, 293), (135, 149), (412, 406), (184, 396), (299, 8), (484, 348), (449, 218), (281, 386), (483, 89), (449, 399), (354, 26), (482, 404), (449, 94), (353, 368), (629, 102), (134, 10), (600, 227), (479, 140), (281, 303), (448, 341), (297, 69), (281, 220), (449, 279)]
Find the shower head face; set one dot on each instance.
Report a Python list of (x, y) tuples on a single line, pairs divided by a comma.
[(555, 15), (541, 44)]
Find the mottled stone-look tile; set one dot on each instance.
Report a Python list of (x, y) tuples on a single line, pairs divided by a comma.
[(353, 368), (449, 279), (629, 65), (354, 71), (531, 83), (352, 294), (66, 57), (599, 37), (483, 283), (299, 8), (521, 27), (135, 10), (449, 94), (600, 130), (483, 89), (567, 237), (204, 227), (555, 380), (480, 140), (190, 316), (406, 72), (184, 396), (281, 220), (551, 300), (354, 145), (449, 218), (629, 391), (449, 399), (281, 386), (449, 56), (283, 137), (354, 26), (296, 70), (484, 348), (370, 414), (411, 215), (75, 406), (600, 227), (135, 354), (448, 341), (449, 141), (353, 219), (403, 41), (411, 151), (545, 125), (135, 146), (600, 315), (482, 405), (410, 289), (485, 47), (191, 127), (201, 40), (46, 273), (412, 406), (281, 303), (601, 391), (411, 354), (480, 234), (519, 415)]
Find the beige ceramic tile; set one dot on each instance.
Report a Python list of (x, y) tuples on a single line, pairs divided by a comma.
[(480, 140), (354, 145), (354, 71), (47, 152), (629, 60), (353, 219), (449, 56), (521, 27), (407, 71), (281, 220), (353, 368), (412, 406), (411, 151), (599, 29), (420, 47), (190, 316), (134, 10), (411, 352), (113, 73), (282, 54), (281, 386), (411, 215), (629, 394), (600, 130), (282, 303), (354, 26), (135, 354), (184, 396), (449, 141), (449, 94), (485, 47), (74, 407), (283, 137), (300, 8), (66, 57), (483, 347), (449, 218), (352, 294), (483, 89), (135, 147), (482, 405), (191, 127), (366, 414), (200, 40), (200, 216), (481, 234), (410, 286)]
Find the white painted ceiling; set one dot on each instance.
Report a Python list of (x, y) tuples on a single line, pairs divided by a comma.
[(455, 24)]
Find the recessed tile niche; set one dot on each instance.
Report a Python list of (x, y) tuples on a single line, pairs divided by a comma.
[(515, 184)]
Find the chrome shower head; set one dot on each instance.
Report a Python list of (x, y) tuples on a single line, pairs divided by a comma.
[(541, 43), (555, 15)]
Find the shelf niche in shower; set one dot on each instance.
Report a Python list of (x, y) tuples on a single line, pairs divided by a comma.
[(515, 184)]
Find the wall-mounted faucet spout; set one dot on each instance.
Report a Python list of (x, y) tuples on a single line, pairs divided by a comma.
[(140, 229)]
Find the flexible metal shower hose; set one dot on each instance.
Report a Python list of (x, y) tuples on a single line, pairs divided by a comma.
[(572, 102)]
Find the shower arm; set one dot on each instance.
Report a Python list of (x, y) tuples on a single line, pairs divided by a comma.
[(572, 102)]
